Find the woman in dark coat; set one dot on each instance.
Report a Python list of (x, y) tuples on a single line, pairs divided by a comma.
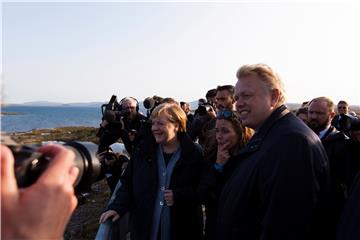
[(165, 182), (230, 136)]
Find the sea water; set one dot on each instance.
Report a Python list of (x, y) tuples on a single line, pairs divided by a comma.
[(27, 118)]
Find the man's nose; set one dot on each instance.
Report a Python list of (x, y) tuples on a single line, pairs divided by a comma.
[(239, 103), (312, 116)]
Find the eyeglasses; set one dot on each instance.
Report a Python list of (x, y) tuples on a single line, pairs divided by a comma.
[(225, 114)]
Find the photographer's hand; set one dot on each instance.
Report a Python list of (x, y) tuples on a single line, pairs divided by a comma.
[(42, 210)]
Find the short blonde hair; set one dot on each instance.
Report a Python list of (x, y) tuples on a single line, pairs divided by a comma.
[(330, 104), (173, 113), (270, 78)]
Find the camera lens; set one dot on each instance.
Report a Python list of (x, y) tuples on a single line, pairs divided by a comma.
[(348, 123), (87, 162), (29, 164)]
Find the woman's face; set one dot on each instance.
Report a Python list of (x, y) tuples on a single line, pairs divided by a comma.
[(163, 130), (226, 135)]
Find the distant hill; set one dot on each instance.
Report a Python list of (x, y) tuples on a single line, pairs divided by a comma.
[(38, 103), (193, 105), (57, 104), (89, 104)]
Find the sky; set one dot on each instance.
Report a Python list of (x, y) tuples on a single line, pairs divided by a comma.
[(86, 51)]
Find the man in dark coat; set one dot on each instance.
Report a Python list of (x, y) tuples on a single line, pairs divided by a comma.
[(336, 144), (342, 108), (348, 227), (280, 185)]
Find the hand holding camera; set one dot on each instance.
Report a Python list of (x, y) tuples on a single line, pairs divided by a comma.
[(42, 210)]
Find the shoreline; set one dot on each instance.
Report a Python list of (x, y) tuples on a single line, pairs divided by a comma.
[(10, 113), (65, 134)]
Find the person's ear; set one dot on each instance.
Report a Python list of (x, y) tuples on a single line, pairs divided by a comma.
[(332, 114), (177, 127), (275, 97)]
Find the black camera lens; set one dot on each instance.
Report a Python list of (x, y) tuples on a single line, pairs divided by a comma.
[(87, 161), (29, 164), (348, 123)]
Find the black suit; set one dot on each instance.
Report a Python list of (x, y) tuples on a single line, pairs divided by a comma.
[(336, 146)]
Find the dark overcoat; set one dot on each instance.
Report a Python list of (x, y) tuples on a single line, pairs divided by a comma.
[(280, 186), (190, 181)]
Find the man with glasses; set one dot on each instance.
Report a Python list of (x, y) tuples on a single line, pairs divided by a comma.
[(133, 120), (342, 108), (280, 183), (127, 125)]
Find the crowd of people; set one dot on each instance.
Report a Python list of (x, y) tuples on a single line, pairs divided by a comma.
[(242, 161)]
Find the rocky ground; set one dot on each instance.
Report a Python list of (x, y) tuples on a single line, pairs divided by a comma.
[(84, 222)]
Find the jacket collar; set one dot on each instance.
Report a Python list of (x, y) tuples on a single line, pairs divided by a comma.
[(150, 147), (329, 131), (332, 134), (256, 141)]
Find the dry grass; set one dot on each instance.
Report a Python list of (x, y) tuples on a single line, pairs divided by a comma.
[(87, 134), (85, 221)]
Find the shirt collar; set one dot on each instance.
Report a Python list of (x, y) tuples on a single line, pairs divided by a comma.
[(323, 132)]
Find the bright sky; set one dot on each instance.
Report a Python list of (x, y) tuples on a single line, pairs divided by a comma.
[(87, 51)]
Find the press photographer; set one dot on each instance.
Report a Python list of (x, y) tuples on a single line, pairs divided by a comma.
[(351, 126), (120, 120), (203, 121)]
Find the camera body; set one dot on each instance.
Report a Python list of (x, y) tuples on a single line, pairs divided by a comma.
[(112, 111), (204, 109), (150, 103), (348, 123), (30, 164)]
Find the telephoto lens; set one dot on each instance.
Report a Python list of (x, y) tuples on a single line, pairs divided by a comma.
[(348, 123), (29, 164)]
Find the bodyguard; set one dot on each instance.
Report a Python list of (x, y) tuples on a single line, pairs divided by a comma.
[(280, 186)]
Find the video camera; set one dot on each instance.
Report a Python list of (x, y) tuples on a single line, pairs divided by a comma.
[(150, 103), (204, 109), (348, 123), (112, 111), (30, 164)]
